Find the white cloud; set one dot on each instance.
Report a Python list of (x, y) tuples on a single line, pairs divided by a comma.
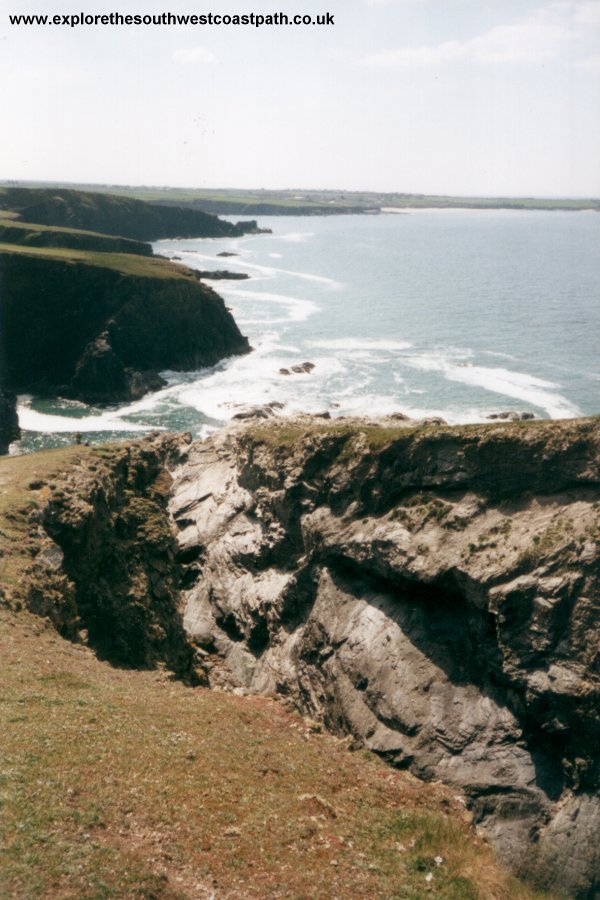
[(417, 56), (530, 41), (188, 56), (588, 13), (527, 42), (592, 64)]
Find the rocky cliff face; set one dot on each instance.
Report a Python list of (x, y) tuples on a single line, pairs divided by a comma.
[(100, 331), (103, 554), (9, 424), (433, 592)]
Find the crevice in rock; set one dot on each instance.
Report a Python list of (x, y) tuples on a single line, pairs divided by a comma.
[(119, 558)]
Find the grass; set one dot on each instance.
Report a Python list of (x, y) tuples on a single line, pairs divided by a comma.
[(127, 784), (124, 784), (327, 200), (8, 219), (126, 263), (18, 501), (555, 538), (288, 433)]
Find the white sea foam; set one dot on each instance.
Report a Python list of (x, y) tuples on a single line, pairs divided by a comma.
[(31, 420), (241, 262), (358, 344), (298, 309), (307, 276), (296, 237), (292, 310), (519, 385)]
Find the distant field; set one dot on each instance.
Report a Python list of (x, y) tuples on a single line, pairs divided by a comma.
[(315, 202)]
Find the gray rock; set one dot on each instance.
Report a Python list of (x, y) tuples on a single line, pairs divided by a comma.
[(436, 598)]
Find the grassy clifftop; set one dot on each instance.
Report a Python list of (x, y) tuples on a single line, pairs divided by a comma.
[(124, 263), (32, 235), (109, 214), (99, 326)]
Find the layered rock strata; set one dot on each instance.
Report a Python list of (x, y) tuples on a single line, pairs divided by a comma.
[(433, 592)]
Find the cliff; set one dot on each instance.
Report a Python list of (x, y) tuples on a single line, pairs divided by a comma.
[(28, 234), (9, 423), (99, 326), (432, 592), (132, 784), (429, 593), (115, 215)]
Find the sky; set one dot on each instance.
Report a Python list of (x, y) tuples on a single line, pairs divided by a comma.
[(463, 97)]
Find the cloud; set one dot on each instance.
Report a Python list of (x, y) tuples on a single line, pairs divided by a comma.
[(417, 56), (527, 42), (189, 56), (536, 39), (592, 64), (588, 13)]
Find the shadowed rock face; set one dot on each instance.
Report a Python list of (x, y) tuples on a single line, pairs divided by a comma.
[(93, 333), (435, 595), (9, 425), (105, 570)]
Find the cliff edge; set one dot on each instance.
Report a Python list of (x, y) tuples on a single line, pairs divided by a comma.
[(112, 214), (99, 326), (427, 592), (433, 592)]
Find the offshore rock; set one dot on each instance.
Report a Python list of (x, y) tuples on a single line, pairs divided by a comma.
[(432, 592)]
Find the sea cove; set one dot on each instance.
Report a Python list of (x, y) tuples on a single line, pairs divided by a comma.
[(451, 313)]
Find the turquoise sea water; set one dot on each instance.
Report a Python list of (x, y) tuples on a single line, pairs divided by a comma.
[(452, 313)]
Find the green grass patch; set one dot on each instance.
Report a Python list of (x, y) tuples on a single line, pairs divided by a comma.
[(125, 263)]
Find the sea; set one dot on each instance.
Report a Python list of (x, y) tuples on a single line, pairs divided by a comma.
[(460, 314)]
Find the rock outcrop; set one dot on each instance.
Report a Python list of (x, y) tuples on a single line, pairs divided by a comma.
[(103, 568), (9, 424), (100, 330), (433, 592)]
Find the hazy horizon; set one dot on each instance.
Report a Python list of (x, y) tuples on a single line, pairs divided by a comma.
[(286, 190), (493, 99)]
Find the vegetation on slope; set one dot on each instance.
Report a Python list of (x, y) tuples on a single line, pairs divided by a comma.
[(100, 326), (29, 234), (125, 263), (114, 215), (326, 202)]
